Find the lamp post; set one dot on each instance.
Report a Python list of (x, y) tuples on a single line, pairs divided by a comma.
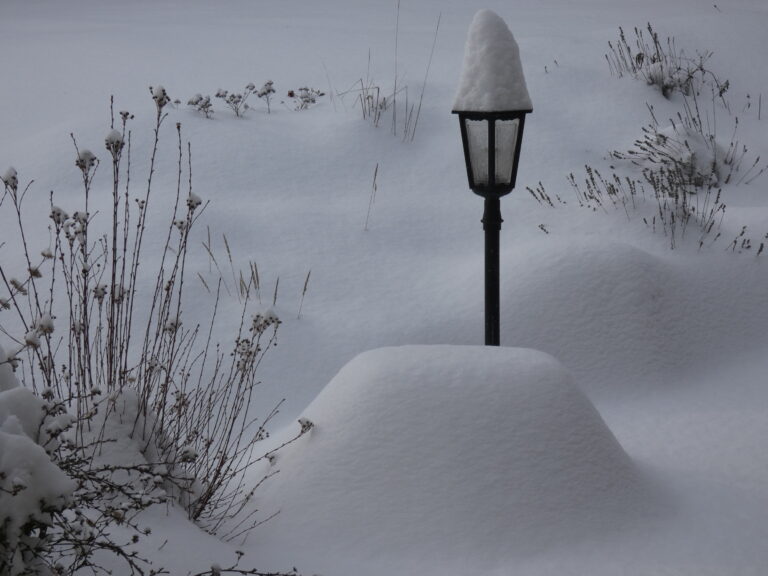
[(491, 103)]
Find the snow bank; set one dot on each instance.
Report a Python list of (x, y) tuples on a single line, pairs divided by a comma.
[(445, 454), (492, 77), (610, 312), (7, 379), (29, 480), (619, 317)]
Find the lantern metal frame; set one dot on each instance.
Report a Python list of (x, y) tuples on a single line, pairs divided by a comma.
[(493, 189)]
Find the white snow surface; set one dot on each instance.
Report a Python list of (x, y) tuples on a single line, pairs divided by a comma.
[(668, 345), (456, 456), (492, 76)]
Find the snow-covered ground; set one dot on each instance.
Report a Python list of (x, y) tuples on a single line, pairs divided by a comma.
[(668, 476)]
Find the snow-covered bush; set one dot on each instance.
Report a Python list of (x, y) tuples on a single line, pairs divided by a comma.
[(661, 64), (160, 96), (237, 101), (683, 147), (108, 364), (673, 203), (304, 97), (58, 498), (689, 147), (686, 165), (32, 487), (683, 165), (202, 104), (265, 93)]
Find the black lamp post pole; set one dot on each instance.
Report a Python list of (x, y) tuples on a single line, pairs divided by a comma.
[(492, 226)]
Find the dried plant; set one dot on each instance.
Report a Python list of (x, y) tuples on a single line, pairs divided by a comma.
[(661, 64), (266, 92), (305, 97), (689, 145), (237, 101), (375, 102), (112, 363), (682, 164), (202, 104)]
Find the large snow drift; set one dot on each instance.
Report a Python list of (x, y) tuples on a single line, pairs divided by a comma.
[(461, 455)]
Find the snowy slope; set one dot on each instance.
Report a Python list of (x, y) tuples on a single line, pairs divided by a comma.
[(668, 345)]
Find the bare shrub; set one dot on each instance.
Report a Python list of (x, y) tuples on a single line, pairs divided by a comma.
[(114, 364), (661, 64), (201, 104), (237, 101), (683, 166), (304, 97)]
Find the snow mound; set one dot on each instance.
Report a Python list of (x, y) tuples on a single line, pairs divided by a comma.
[(610, 312), (30, 483), (618, 316), (444, 453), (492, 76)]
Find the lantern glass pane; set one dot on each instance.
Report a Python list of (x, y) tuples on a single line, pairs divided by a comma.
[(477, 140), (506, 142)]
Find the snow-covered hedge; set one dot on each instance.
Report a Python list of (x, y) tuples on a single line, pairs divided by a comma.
[(31, 485)]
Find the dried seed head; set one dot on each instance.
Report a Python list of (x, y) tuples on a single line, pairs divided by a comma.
[(58, 215), (160, 96), (193, 201), (114, 142), (86, 160), (11, 178)]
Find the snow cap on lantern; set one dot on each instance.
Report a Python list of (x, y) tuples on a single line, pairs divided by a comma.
[(492, 77)]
